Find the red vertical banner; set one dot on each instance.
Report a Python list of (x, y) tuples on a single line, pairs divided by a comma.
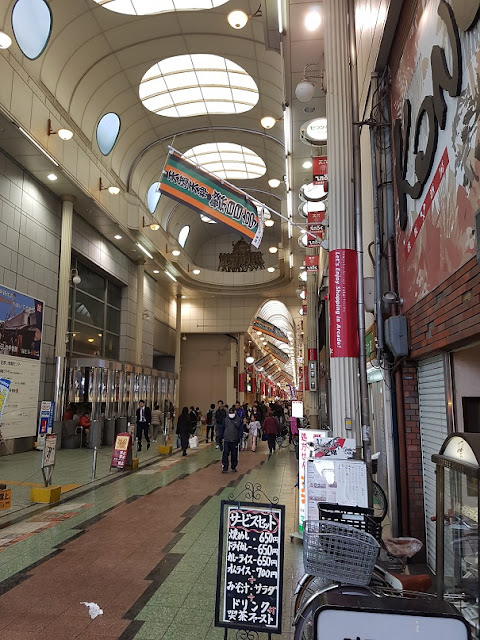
[(342, 276), (312, 354), (300, 378), (311, 263), (241, 382), (320, 169), (305, 377), (262, 388)]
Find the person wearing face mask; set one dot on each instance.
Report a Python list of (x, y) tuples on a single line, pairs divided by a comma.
[(231, 433)]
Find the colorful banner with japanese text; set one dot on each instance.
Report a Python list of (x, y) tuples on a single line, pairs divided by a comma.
[(277, 353), (320, 170), (202, 192), (269, 329), (342, 275)]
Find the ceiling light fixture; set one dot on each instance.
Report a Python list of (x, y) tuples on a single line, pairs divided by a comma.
[(306, 87), (268, 122), (167, 273), (271, 269), (5, 41), (175, 253), (154, 226), (249, 359), (34, 142), (63, 134), (307, 164), (238, 18), (196, 272), (52, 177), (156, 271), (142, 248), (274, 183), (111, 189), (269, 222), (273, 249), (117, 237), (313, 20)]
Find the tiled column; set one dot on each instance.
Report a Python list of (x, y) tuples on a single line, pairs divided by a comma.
[(139, 317), (344, 399), (312, 343), (241, 365), (61, 335)]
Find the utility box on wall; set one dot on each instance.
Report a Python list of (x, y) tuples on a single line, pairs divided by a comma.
[(396, 335)]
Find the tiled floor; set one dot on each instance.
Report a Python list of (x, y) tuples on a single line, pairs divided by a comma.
[(143, 547)]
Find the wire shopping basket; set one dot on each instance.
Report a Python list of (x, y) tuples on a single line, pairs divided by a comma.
[(339, 552)]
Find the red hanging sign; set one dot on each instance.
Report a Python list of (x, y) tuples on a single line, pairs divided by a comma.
[(316, 217), (311, 263), (312, 354), (320, 169), (241, 382), (342, 276), (315, 235)]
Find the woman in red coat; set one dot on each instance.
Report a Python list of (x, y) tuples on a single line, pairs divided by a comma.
[(271, 428)]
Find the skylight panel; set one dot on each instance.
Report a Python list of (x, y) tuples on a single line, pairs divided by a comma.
[(230, 161), (151, 7), (202, 78)]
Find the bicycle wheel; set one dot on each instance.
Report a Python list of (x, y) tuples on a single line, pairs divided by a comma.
[(308, 586), (380, 502)]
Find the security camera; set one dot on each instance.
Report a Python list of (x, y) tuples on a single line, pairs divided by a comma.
[(76, 279)]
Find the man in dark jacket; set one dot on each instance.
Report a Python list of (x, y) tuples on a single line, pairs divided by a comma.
[(231, 434), (220, 415), (144, 417)]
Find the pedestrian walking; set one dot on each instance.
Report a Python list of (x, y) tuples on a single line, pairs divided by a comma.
[(184, 429), (271, 428), (220, 415), (210, 422), (144, 418), (253, 433), (157, 419), (230, 434)]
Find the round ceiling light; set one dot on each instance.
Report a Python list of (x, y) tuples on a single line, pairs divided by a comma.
[(274, 183), (313, 20), (237, 19), (52, 177), (175, 253), (154, 226), (117, 237), (249, 359), (65, 134), (305, 90), (196, 272), (269, 222), (5, 41), (307, 164), (156, 271), (273, 249), (268, 122), (271, 269), (113, 190)]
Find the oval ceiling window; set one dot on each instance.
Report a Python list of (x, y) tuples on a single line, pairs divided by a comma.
[(32, 25), (197, 84), (108, 129), (227, 160), (153, 196), (183, 235), (150, 7)]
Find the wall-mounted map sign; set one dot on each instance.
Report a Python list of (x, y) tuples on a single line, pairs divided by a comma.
[(269, 329), (202, 192), (250, 567), (277, 353)]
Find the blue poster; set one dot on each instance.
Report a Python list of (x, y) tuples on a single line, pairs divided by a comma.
[(21, 319), (4, 389)]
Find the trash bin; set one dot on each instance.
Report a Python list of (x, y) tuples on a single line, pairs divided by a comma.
[(109, 432), (95, 434), (121, 425)]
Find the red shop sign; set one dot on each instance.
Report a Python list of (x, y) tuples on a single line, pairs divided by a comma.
[(320, 169)]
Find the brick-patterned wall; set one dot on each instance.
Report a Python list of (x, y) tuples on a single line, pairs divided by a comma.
[(449, 316), (413, 448)]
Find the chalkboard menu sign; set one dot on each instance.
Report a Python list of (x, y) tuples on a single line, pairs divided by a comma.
[(250, 567)]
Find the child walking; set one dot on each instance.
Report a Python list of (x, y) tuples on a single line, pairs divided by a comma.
[(253, 431)]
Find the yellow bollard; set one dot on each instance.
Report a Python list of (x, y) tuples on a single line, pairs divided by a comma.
[(165, 450), (134, 463)]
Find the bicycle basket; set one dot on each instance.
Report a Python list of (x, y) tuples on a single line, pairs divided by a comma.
[(339, 552), (359, 517)]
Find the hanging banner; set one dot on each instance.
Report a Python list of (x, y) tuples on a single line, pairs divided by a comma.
[(277, 353), (320, 170), (270, 369), (241, 382), (311, 264), (300, 379), (315, 235), (269, 329), (316, 217), (45, 422), (342, 275), (260, 364), (202, 192)]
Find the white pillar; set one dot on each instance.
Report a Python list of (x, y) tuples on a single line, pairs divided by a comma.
[(312, 343), (344, 400), (241, 366), (61, 335), (139, 317), (178, 353)]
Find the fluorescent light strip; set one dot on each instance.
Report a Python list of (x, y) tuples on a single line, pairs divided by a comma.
[(286, 129), (167, 273), (142, 248), (47, 155), (280, 18)]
